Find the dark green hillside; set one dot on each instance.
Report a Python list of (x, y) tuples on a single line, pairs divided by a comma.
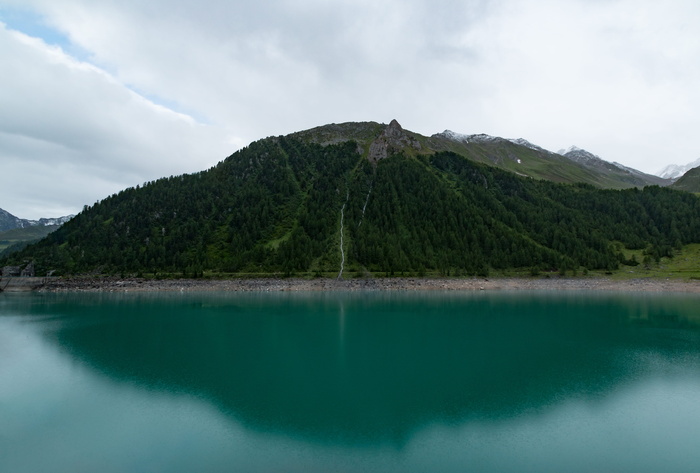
[(689, 182), (278, 206)]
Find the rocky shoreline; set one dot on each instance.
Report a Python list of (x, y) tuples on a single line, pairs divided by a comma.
[(94, 284)]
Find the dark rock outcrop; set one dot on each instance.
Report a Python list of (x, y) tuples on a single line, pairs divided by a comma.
[(392, 140), (28, 271), (11, 271)]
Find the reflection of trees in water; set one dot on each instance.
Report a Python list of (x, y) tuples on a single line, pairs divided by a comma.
[(373, 368)]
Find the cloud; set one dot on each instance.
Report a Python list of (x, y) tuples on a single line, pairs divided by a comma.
[(176, 81), (613, 76), (279, 66), (71, 134)]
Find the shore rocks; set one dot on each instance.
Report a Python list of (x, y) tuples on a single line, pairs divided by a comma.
[(96, 284)]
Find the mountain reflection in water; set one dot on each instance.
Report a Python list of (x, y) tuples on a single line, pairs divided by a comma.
[(365, 368)]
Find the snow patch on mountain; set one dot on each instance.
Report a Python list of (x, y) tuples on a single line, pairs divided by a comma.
[(607, 172), (575, 150), (674, 171), (484, 138), (9, 221), (527, 144), (591, 160), (462, 138), (44, 222), (626, 168)]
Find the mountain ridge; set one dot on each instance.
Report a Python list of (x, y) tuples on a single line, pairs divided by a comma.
[(624, 173), (10, 222), (675, 171), (368, 198), (524, 158)]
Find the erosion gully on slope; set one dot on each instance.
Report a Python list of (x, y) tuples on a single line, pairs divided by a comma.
[(342, 218)]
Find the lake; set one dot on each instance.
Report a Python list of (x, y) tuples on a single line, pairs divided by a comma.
[(350, 382)]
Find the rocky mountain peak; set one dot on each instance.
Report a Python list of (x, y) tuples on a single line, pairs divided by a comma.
[(394, 125), (579, 154), (391, 141)]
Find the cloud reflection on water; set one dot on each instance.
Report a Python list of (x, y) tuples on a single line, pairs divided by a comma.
[(363, 369)]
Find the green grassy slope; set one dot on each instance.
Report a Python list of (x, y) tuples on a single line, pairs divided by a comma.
[(504, 154), (18, 236), (689, 182)]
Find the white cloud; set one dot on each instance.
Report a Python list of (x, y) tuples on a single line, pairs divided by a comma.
[(71, 134), (617, 77)]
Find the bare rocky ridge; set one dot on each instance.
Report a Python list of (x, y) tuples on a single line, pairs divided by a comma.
[(392, 140)]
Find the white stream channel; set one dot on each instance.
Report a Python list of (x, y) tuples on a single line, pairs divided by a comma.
[(365, 206), (342, 218)]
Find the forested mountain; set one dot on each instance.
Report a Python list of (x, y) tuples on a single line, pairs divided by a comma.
[(359, 198)]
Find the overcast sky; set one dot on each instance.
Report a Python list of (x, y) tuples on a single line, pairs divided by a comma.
[(100, 95)]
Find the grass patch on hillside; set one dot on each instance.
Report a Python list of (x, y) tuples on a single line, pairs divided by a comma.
[(27, 234), (685, 264)]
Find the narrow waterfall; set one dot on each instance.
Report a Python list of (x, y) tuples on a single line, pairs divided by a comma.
[(365, 206), (342, 226)]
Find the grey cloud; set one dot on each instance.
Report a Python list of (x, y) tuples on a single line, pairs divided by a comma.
[(75, 135), (616, 77)]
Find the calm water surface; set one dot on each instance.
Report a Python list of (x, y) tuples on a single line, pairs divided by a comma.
[(410, 382)]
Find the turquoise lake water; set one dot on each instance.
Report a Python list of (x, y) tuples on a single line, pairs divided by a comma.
[(350, 382)]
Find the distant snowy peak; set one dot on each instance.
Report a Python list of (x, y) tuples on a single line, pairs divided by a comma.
[(674, 171), (9, 221), (599, 171), (593, 161), (44, 222), (462, 138), (580, 155), (606, 168), (527, 144), (483, 138), (626, 168), (452, 135)]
